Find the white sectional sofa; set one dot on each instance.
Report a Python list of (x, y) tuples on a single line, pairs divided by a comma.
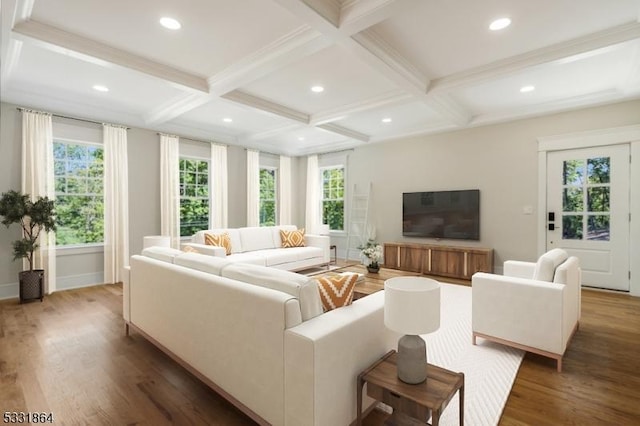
[(257, 335), (263, 246)]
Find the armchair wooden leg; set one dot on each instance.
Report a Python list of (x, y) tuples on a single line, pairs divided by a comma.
[(559, 365), (473, 340)]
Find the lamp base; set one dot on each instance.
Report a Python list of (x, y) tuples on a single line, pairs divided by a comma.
[(412, 359)]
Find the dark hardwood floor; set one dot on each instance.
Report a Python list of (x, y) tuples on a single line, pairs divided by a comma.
[(69, 356)]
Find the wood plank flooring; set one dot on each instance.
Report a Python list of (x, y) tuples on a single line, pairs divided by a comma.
[(69, 356)]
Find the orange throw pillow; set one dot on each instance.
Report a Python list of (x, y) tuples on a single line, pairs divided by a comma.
[(336, 292), (219, 240), (292, 238)]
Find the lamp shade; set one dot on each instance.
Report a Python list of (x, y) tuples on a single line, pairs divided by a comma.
[(156, 240), (323, 229), (412, 305)]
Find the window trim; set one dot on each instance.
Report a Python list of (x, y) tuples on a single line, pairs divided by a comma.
[(321, 169), (83, 248), (276, 199)]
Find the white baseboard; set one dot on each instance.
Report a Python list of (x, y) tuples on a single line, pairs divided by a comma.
[(12, 290)]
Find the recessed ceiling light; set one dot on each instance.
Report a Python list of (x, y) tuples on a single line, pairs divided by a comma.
[(317, 89), (170, 23), (500, 24), (525, 89), (300, 138), (387, 120), (227, 120), (100, 88)]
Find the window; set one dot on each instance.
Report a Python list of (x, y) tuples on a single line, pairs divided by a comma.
[(194, 196), (268, 196), (78, 171), (333, 197)]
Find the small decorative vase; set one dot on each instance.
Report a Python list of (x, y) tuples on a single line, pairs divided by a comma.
[(373, 269)]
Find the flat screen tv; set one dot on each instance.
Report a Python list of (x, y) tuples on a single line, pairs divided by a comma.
[(442, 214)]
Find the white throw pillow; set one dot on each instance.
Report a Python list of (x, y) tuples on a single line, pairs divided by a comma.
[(547, 264)]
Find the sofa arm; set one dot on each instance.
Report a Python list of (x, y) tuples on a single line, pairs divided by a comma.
[(516, 268), (206, 249), (519, 310), (323, 357), (321, 241)]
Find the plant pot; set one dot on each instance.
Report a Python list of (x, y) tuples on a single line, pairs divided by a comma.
[(373, 270), (31, 285)]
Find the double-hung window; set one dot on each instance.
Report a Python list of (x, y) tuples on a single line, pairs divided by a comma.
[(194, 196), (78, 174), (332, 179), (268, 196)]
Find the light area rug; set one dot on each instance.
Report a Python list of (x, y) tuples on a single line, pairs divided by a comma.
[(489, 368)]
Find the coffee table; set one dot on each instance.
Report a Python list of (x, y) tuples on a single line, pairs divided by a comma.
[(412, 404)]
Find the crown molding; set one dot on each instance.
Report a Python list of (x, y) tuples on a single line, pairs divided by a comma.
[(557, 52), (344, 132), (439, 127), (300, 43), (327, 148), (193, 130), (546, 108), (450, 109), (598, 137), (632, 80), (390, 98), (99, 53), (268, 106), (323, 15)]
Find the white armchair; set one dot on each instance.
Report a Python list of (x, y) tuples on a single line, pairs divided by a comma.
[(533, 306)]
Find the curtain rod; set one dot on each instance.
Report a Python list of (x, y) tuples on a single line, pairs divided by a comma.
[(70, 118)]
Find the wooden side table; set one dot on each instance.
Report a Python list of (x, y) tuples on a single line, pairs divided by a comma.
[(411, 404)]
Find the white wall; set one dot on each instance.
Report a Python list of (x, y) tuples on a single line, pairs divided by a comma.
[(500, 160)]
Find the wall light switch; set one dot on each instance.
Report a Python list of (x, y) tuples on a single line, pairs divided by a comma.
[(527, 210)]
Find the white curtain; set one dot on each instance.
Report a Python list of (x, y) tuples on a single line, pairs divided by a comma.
[(37, 181), (170, 188), (253, 188), (116, 202), (284, 190), (218, 216), (313, 217)]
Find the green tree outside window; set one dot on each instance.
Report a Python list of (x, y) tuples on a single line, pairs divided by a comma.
[(194, 196), (268, 184), (333, 198)]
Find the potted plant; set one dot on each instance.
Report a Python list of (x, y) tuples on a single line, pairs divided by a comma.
[(372, 253), (33, 217)]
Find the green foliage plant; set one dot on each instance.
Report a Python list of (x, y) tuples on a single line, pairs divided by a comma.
[(33, 217)]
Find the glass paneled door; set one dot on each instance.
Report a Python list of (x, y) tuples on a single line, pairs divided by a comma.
[(588, 211)]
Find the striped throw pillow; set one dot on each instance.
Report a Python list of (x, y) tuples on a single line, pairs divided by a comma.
[(189, 249), (292, 238), (219, 240), (337, 291)]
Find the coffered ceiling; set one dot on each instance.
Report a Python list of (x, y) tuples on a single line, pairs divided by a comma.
[(241, 71)]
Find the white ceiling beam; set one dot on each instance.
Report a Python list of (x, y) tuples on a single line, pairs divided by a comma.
[(435, 127), (268, 106), (99, 53), (344, 132), (358, 15), (558, 52), (175, 107), (298, 44), (323, 15), (386, 99), (19, 11), (632, 81)]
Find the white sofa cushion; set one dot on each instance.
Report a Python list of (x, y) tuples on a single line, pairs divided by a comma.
[(301, 287), (547, 264), (166, 254), (279, 256), (202, 262), (256, 238), (249, 257)]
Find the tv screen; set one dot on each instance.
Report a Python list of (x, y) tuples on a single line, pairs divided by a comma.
[(442, 214)]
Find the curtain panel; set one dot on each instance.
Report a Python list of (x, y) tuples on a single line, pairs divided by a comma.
[(116, 202), (253, 188), (170, 188), (219, 186), (38, 181), (312, 216), (284, 191)]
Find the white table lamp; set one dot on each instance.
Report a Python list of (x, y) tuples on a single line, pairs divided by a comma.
[(412, 307)]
